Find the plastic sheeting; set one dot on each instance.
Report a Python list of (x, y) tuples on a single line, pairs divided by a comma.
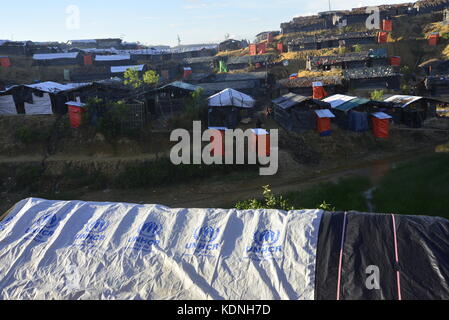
[(40, 105), (369, 253), (231, 97), (7, 105), (79, 250)]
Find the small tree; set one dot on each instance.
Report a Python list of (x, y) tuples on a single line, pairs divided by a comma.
[(151, 78), (357, 48), (132, 78), (377, 95)]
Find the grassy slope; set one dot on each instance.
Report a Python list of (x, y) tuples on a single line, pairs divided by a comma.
[(418, 187)]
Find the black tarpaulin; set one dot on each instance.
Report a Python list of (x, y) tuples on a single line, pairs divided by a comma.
[(421, 248)]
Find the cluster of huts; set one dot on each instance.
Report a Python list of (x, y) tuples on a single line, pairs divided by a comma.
[(299, 113), (341, 18)]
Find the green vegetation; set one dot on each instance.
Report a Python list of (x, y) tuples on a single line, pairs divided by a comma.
[(346, 194), (196, 106), (29, 135), (269, 201), (417, 187), (132, 78), (162, 173), (377, 95)]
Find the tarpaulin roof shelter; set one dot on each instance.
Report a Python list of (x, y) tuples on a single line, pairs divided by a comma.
[(113, 57), (122, 69), (338, 100), (52, 56), (151, 252), (231, 97), (403, 101), (354, 103)]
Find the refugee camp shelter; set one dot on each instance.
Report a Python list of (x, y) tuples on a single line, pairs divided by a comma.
[(225, 108), (250, 83), (412, 110), (169, 99), (119, 71), (43, 98), (113, 60), (58, 59), (317, 255), (381, 77), (304, 85), (297, 113), (201, 64)]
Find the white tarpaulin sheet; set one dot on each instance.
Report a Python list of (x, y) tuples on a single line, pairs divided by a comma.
[(338, 99), (403, 101), (40, 105), (231, 97), (7, 105), (52, 56), (113, 58), (80, 250)]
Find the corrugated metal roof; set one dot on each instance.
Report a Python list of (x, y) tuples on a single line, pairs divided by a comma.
[(181, 85), (352, 104)]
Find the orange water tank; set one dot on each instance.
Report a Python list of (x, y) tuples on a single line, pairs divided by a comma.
[(76, 111), (434, 39), (5, 62), (218, 147), (387, 25), (253, 49), (382, 37), (280, 47), (88, 60)]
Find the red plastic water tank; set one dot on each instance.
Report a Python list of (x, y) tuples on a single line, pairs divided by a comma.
[(76, 111), (382, 37), (434, 39), (88, 60), (280, 47), (381, 128), (387, 25), (253, 49), (395, 61), (218, 147), (5, 62)]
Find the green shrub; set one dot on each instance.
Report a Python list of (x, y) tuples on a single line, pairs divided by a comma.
[(29, 135)]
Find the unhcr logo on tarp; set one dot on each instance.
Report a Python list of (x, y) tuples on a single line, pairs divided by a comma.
[(205, 244), (228, 145), (43, 228), (147, 236), (92, 235), (265, 245)]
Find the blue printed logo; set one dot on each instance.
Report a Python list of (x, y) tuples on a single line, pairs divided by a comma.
[(150, 229), (4, 223), (98, 226), (93, 234), (43, 228), (206, 234), (266, 237), (205, 241), (147, 237), (265, 246)]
